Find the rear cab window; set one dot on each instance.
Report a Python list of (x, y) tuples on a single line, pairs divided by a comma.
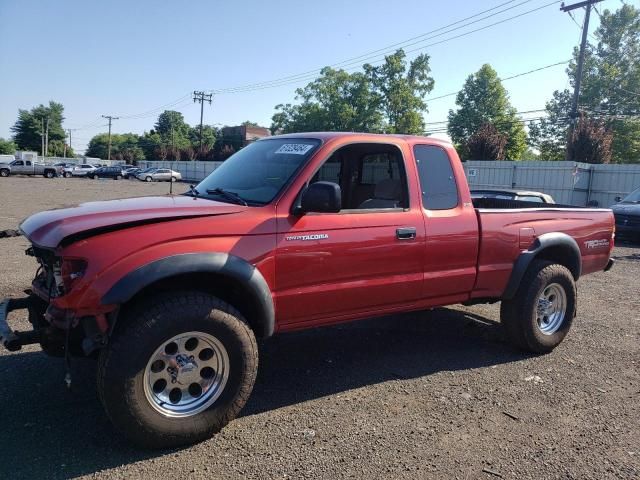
[(437, 180)]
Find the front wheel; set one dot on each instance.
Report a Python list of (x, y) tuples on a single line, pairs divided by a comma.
[(67, 174), (540, 315), (177, 369), (118, 177), (148, 179), (173, 179), (4, 172)]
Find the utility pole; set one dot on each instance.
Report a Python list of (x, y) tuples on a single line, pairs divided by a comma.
[(46, 140), (70, 148), (110, 118), (42, 136), (578, 80), (583, 44), (202, 97)]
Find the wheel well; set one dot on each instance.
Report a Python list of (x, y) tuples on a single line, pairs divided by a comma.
[(225, 288), (562, 255)]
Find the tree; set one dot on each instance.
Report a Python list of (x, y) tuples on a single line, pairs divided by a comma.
[(7, 147), (590, 141), (249, 123), (483, 100), (487, 144), (335, 101), (388, 97), (401, 91), (32, 123), (172, 129), (209, 136), (124, 146), (610, 87), (549, 135)]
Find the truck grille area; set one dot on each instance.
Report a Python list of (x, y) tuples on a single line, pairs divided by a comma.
[(48, 277)]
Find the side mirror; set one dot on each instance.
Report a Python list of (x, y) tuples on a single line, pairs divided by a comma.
[(323, 197), (617, 199)]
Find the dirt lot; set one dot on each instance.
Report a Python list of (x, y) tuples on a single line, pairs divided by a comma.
[(427, 395)]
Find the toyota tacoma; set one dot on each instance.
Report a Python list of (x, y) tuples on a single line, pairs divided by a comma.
[(170, 293)]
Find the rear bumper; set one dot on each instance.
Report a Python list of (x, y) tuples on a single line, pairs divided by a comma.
[(10, 339)]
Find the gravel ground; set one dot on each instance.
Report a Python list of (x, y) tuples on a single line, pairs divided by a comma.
[(434, 394)]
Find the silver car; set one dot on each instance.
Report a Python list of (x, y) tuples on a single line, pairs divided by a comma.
[(159, 175)]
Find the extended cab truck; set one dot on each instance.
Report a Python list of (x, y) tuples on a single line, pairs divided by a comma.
[(27, 167), (291, 232)]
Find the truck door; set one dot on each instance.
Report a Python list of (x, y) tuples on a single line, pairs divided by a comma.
[(18, 167), (451, 225), (365, 258)]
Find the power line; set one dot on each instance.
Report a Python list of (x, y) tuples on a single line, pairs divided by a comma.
[(312, 73), (199, 96), (506, 78)]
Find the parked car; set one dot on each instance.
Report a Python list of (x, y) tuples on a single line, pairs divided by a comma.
[(159, 175), (27, 167), (79, 170), (627, 214), (171, 291), (116, 172), (131, 172), (508, 194)]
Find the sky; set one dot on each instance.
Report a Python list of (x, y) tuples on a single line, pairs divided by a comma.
[(132, 59)]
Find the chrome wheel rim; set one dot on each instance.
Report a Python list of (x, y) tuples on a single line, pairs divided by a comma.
[(551, 309), (186, 374)]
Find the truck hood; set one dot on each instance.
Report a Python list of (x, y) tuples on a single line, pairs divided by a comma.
[(47, 229), (626, 208)]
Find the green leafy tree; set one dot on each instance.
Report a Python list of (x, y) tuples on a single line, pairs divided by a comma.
[(401, 91), (172, 129), (7, 147), (335, 101), (125, 146), (484, 100), (31, 124), (610, 90), (388, 97), (209, 136), (249, 123)]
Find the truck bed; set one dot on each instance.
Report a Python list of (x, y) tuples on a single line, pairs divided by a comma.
[(509, 227)]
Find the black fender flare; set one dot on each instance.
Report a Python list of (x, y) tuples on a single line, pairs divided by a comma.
[(543, 242), (219, 263)]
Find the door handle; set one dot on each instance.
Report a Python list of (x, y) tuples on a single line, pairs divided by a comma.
[(406, 233)]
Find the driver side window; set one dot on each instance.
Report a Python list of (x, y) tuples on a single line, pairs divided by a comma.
[(371, 176)]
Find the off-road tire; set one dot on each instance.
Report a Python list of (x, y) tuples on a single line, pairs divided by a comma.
[(4, 172), (142, 329), (518, 315)]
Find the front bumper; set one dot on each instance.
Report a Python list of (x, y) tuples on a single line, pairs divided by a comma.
[(610, 264), (10, 339)]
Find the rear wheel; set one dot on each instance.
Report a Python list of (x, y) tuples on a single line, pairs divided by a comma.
[(540, 315), (49, 174), (173, 179), (118, 177), (177, 369), (148, 179)]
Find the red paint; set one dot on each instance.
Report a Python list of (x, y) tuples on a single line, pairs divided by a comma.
[(361, 269)]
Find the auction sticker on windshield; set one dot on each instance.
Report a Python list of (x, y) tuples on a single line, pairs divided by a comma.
[(295, 148)]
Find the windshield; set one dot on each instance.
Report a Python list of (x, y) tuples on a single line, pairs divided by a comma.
[(633, 197), (259, 171)]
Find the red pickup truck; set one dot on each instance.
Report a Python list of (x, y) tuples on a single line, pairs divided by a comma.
[(292, 232)]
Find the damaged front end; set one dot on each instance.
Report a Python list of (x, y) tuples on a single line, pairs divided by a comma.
[(59, 330)]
